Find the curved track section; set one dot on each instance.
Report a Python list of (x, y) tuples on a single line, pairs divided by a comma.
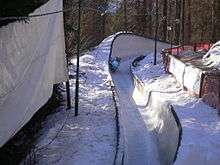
[(162, 120), (139, 145)]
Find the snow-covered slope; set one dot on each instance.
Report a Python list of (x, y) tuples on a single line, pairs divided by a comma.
[(200, 123), (90, 138)]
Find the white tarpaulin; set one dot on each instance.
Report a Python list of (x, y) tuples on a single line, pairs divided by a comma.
[(32, 59)]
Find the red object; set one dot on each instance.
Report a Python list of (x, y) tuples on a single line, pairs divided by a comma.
[(210, 81), (194, 47)]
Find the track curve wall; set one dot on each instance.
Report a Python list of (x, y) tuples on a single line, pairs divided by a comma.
[(166, 126), (164, 122)]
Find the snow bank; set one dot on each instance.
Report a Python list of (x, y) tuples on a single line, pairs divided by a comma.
[(89, 138), (200, 123)]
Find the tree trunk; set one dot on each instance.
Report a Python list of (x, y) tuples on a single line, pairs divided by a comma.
[(125, 16), (144, 12), (216, 21), (150, 18), (138, 22), (189, 22), (156, 32), (177, 21), (103, 25), (164, 37), (183, 22), (170, 21)]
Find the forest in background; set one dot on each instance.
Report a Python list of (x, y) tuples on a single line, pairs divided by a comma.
[(179, 21), (18, 8)]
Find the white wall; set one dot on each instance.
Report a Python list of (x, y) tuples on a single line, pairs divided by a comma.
[(32, 59)]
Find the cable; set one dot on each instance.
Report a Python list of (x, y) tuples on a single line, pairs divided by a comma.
[(48, 13), (38, 15)]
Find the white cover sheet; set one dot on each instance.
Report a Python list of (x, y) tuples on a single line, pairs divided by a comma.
[(32, 59)]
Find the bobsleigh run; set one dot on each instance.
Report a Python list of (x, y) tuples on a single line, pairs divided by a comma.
[(30, 67)]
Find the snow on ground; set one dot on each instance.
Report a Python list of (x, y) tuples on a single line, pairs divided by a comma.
[(90, 138), (146, 66), (200, 123)]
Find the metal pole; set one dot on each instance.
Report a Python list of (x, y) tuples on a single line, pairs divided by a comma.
[(77, 64), (171, 40), (68, 94), (155, 37)]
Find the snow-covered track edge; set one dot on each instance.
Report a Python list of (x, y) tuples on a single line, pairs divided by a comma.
[(140, 86), (119, 156), (119, 153)]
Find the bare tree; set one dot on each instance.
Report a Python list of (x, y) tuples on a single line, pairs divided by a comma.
[(177, 23), (183, 22), (125, 16), (189, 22), (216, 20), (164, 37)]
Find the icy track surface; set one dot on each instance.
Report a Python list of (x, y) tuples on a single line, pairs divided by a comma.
[(90, 138), (139, 145), (200, 142)]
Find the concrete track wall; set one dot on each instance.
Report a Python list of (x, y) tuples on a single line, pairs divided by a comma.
[(165, 127), (163, 121)]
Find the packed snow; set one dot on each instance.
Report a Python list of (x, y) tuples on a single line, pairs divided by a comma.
[(200, 123), (89, 138)]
